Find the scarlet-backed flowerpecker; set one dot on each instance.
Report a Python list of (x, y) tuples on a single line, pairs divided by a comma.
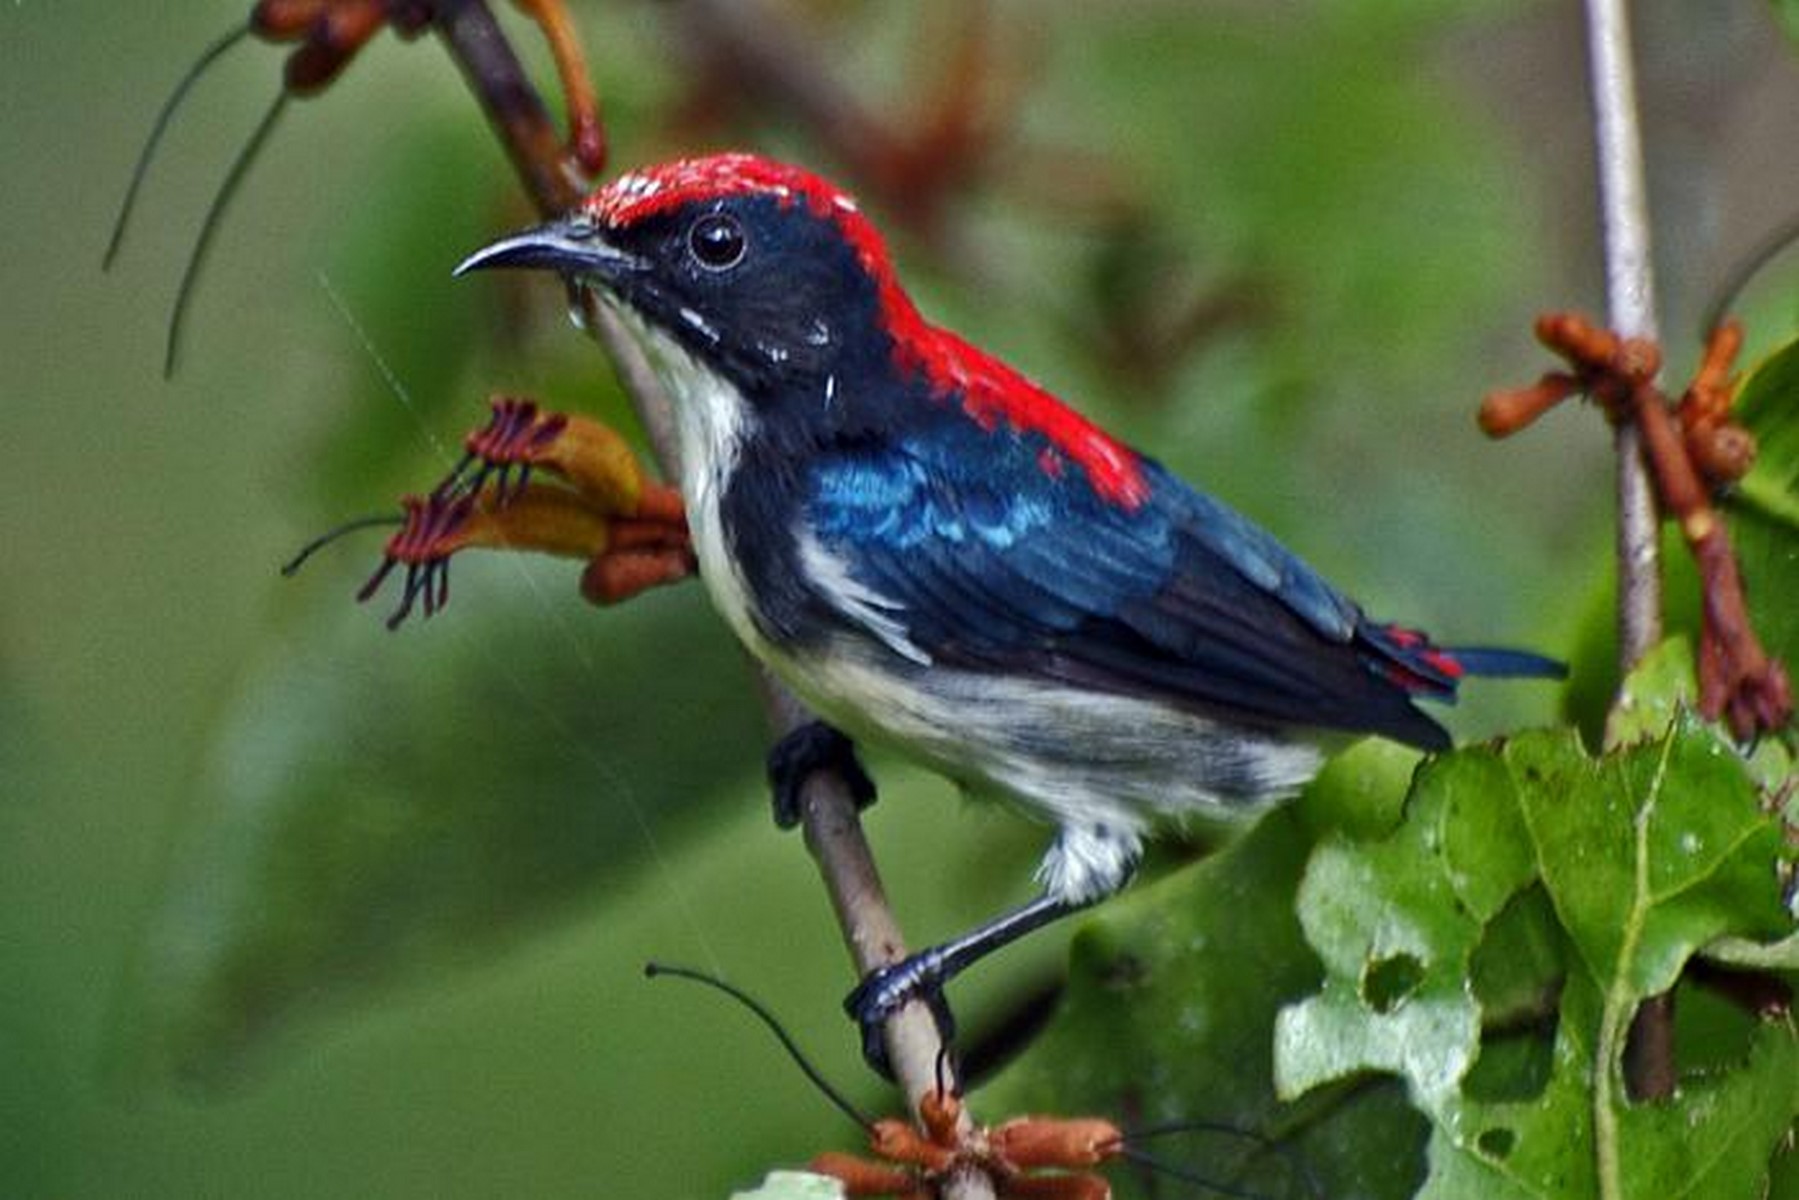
[(939, 555)]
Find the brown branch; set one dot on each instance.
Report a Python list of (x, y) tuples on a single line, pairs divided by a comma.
[(1630, 297), (832, 829), (513, 107), (1690, 448)]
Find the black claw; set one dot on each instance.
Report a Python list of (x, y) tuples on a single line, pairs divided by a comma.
[(811, 747), (884, 991)]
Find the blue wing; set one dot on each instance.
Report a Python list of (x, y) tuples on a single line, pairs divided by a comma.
[(986, 560)]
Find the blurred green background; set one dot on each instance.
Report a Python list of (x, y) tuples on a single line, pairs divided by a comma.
[(291, 906)]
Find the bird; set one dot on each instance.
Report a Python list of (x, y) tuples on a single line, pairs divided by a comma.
[(940, 556)]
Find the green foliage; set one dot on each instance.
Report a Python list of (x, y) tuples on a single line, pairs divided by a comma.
[(1643, 856), (1787, 11), (365, 826), (1764, 508), (1482, 933), (1397, 922), (1172, 1001)]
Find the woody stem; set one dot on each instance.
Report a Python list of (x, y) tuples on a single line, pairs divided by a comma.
[(1630, 294)]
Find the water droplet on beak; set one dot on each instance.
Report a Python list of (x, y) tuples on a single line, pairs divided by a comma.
[(577, 305)]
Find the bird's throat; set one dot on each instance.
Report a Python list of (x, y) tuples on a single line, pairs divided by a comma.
[(713, 418)]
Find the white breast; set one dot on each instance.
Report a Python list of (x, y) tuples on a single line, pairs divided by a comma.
[(712, 417)]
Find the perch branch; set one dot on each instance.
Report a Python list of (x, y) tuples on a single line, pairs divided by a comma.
[(1630, 298)]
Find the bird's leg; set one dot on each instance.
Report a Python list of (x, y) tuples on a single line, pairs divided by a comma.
[(885, 990), (1085, 864), (811, 747)]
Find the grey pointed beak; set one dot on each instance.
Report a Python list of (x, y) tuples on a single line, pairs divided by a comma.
[(572, 246)]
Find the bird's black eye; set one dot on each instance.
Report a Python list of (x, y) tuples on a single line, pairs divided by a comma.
[(716, 242)]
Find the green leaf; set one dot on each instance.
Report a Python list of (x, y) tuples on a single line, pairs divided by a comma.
[(1362, 790), (1655, 692), (1767, 404), (1397, 922), (1650, 852), (1782, 955), (1716, 1137), (1713, 1140), (1168, 1015), (1538, 1147), (1661, 688), (1532, 867), (1517, 969)]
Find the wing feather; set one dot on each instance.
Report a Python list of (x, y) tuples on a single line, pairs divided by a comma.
[(990, 562)]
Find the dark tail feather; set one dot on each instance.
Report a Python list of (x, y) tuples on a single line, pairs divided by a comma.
[(1521, 664), (1407, 658)]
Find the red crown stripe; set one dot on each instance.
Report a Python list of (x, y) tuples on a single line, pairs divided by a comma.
[(990, 390)]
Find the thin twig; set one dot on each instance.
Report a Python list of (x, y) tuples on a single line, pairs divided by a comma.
[(512, 104), (832, 828), (1630, 297), (834, 835)]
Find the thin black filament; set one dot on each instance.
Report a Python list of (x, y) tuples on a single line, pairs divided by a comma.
[(293, 565), (163, 118), (203, 243), (837, 1098)]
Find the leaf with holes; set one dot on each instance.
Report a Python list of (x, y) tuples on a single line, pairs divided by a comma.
[(1650, 852), (1171, 1003), (1492, 949), (1531, 1137), (1397, 922), (1713, 1140)]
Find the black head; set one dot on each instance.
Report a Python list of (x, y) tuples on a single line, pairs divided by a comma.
[(763, 273)]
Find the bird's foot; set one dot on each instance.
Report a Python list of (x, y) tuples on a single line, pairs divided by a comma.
[(812, 747), (886, 990)]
